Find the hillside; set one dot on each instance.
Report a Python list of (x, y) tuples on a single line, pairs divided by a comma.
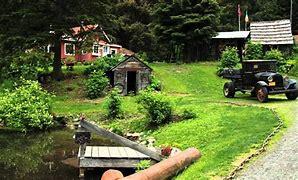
[(223, 132)]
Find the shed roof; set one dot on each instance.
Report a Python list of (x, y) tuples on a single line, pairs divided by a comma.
[(131, 58), (272, 32), (232, 35)]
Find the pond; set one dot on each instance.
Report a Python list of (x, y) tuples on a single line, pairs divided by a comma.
[(49, 155)]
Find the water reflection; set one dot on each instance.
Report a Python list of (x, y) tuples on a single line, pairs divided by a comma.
[(50, 155)]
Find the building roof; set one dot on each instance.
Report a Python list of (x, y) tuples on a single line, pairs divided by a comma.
[(232, 35), (272, 32), (131, 58)]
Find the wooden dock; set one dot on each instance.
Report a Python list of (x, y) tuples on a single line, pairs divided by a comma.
[(110, 157), (128, 155)]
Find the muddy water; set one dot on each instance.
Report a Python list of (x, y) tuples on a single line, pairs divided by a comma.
[(49, 155)]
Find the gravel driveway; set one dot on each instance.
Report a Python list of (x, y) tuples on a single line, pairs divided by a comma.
[(279, 163)]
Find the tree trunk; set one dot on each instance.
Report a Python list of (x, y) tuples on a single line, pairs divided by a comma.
[(57, 73)]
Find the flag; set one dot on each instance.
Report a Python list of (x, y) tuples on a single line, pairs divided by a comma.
[(246, 17), (239, 11)]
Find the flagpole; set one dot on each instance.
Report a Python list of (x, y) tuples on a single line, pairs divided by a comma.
[(239, 23), (239, 17), (291, 12)]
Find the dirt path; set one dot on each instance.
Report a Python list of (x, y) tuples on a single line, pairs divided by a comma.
[(279, 163)]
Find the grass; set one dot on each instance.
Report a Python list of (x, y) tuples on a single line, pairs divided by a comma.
[(223, 133)]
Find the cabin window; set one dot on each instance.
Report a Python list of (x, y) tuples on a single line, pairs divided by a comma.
[(95, 49), (113, 51), (106, 49), (69, 49)]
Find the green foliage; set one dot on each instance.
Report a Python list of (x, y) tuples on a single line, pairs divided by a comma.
[(155, 84), (229, 58), (157, 106), (254, 51), (27, 107), (117, 129), (275, 54), (184, 27), (28, 65), (96, 84), (114, 105), (70, 60), (189, 114), (144, 164), (103, 64), (294, 70)]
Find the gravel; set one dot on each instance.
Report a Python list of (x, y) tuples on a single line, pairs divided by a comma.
[(279, 163)]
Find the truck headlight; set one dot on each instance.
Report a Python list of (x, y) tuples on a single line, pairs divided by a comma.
[(270, 79)]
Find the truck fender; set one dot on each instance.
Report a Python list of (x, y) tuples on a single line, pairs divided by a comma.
[(261, 84), (291, 83)]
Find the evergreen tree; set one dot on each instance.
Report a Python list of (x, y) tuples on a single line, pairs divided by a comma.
[(184, 27)]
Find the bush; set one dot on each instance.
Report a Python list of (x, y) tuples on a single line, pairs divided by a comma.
[(188, 114), (157, 106), (294, 70), (144, 164), (254, 51), (96, 84), (26, 108), (155, 84), (28, 65), (114, 105), (229, 58), (103, 64), (275, 54)]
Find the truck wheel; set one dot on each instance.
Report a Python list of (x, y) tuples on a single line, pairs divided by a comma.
[(293, 95), (229, 90), (262, 94)]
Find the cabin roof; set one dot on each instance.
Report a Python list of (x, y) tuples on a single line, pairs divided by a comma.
[(129, 58), (232, 35), (272, 32)]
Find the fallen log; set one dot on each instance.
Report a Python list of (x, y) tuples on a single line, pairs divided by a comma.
[(162, 170)]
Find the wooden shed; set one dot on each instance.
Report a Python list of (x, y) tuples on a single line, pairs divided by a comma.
[(273, 34), (131, 75), (233, 38)]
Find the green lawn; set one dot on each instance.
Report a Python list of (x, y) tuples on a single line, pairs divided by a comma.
[(222, 132)]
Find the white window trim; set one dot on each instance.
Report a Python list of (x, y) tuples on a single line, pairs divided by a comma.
[(73, 47), (108, 50), (93, 53)]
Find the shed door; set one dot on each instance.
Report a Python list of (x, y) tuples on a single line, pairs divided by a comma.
[(131, 81)]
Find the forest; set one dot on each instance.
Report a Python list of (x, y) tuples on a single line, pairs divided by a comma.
[(171, 31)]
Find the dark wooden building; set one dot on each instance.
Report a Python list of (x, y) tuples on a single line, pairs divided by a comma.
[(131, 75), (233, 39)]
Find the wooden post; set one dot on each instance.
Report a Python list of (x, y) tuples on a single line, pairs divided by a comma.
[(120, 140)]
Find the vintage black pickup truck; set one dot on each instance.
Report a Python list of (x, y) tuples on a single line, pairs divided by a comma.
[(258, 77)]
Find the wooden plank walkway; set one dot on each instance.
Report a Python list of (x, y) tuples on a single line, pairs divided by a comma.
[(111, 157), (113, 152)]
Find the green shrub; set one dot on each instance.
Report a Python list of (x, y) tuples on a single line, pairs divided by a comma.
[(229, 59), (188, 114), (144, 164), (26, 108), (157, 107), (96, 84), (294, 70), (28, 65), (254, 51), (114, 105), (275, 54), (103, 64), (155, 84)]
